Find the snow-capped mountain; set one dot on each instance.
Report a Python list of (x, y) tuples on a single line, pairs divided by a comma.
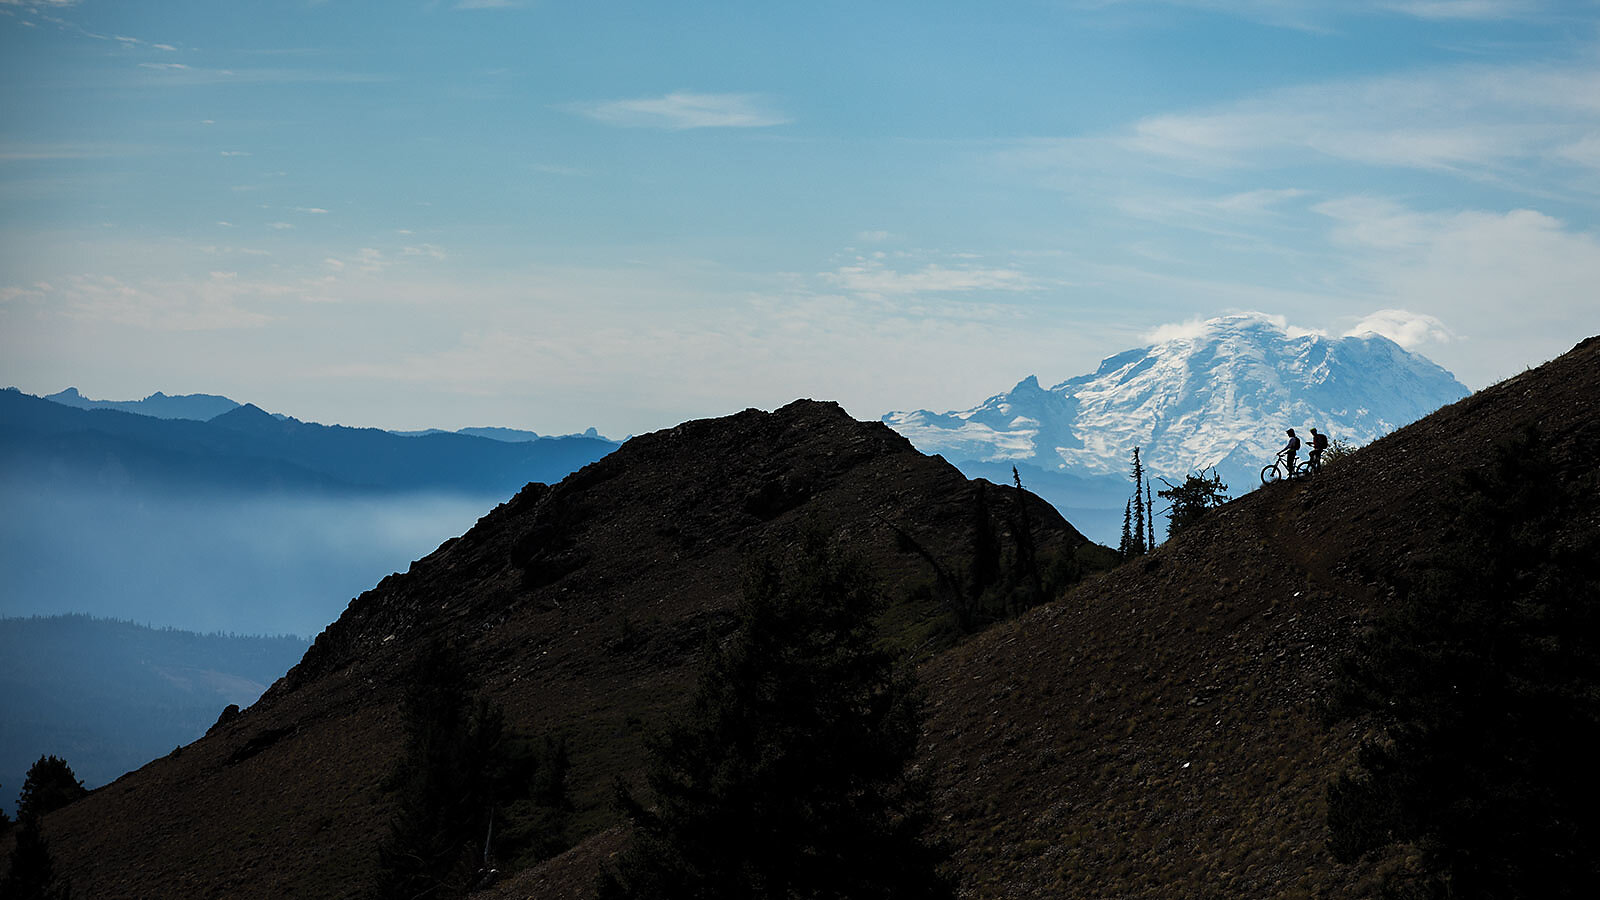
[(1220, 395)]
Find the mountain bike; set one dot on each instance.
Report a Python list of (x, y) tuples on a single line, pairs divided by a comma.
[(1279, 469)]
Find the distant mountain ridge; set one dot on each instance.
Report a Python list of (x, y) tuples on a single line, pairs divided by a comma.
[(200, 407), (496, 433), (248, 447), (1219, 395), (205, 407)]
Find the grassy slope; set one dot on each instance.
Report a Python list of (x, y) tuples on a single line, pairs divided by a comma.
[(1155, 732)]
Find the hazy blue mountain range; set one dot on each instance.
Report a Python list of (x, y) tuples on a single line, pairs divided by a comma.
[(205, 407), (248, 448), (1219, 394), (109, 696), (248, 522), (199, 407), (495, 433)]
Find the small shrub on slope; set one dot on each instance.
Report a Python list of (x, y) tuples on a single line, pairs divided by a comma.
[(1191, 500)]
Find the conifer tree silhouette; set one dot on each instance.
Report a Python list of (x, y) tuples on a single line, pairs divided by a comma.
[(789, 777)]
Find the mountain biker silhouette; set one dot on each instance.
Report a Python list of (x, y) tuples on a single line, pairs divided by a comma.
[(1319, 443)]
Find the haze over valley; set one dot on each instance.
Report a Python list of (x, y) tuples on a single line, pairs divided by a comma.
[(246, 523)]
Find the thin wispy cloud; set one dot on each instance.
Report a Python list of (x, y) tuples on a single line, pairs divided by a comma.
[(1479, 10), (311, 210), (1323, 14), (214, 250), (1260, 201), (431, 251), (684, 110), (17, 292), (552, 169), (1481, 119), (24, 152), (1234, 214), (874, 278), (220, 301), (181, 75)]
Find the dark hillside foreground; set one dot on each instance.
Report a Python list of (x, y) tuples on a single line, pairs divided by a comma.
[(1156, 732), (582, 610), (1159, 732)]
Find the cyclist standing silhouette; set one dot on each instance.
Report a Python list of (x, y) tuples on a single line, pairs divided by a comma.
[(1290, 450), (1319, 443)]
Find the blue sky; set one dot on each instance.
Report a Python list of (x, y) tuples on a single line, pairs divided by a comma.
[(552, 215)]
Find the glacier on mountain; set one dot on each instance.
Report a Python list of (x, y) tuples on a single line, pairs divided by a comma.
[(1217, 395)]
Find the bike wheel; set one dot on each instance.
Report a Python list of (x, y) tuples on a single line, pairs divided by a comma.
[(1270, 474), (1303, 470)]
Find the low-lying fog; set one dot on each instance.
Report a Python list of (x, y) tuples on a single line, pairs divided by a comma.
[(240, 563)]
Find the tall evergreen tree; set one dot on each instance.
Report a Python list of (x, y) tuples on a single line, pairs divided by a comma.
[(788, 779), (470, 789), (1149, 515), (31, 875), (1125, 548), (49, 785), (1486, 676), (1139, 544)]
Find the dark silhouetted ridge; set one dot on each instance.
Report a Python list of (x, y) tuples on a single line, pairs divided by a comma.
[(581, 607), (248, 417)]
